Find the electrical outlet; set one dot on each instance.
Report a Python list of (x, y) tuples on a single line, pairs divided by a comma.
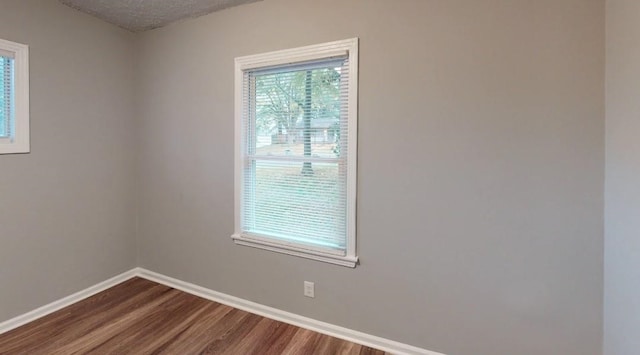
[(309, 289)]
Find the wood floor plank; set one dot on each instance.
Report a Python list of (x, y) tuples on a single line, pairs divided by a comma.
[(139, 316), (74, 322), (164, 320)]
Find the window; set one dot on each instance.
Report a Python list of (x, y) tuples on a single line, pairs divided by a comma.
[(14, 98), (296, 140)]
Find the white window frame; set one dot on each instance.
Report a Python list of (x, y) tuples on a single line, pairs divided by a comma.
[(19, 140), (329, 50)]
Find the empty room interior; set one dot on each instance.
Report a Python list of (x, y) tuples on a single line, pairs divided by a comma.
[(319, 176)]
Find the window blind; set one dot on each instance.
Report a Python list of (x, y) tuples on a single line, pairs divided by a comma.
[(295, 144), (6, 94)]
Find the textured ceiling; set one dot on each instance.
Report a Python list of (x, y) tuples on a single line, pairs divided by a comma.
[(142, 15)]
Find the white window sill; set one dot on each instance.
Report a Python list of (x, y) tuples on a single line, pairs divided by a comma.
[(291, 249), (9, 146)]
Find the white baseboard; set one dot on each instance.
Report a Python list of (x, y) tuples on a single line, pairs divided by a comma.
[(373, 341), (64, 302), (387, 345)]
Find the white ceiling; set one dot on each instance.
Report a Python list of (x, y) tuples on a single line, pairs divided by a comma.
[(142, 15)]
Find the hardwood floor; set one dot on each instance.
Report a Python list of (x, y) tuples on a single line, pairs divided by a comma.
[(143, 317)]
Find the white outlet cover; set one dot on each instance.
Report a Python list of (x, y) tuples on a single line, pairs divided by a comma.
[(309, 289)]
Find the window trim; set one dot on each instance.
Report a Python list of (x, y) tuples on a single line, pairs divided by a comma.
[(19, 143), (322, 51)]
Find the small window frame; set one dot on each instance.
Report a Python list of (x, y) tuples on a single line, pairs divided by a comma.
[(284, 58), (18, 142)]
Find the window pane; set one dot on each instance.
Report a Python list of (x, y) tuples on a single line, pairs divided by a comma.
[(296, 118), (287, 203), (6, 74), (298, 112)]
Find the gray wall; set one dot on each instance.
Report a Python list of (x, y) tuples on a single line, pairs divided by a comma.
[(480, 197), (67, 209), (622, 248)]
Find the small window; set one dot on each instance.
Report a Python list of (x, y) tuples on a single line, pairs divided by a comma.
[(296, 140), (14, 98)]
